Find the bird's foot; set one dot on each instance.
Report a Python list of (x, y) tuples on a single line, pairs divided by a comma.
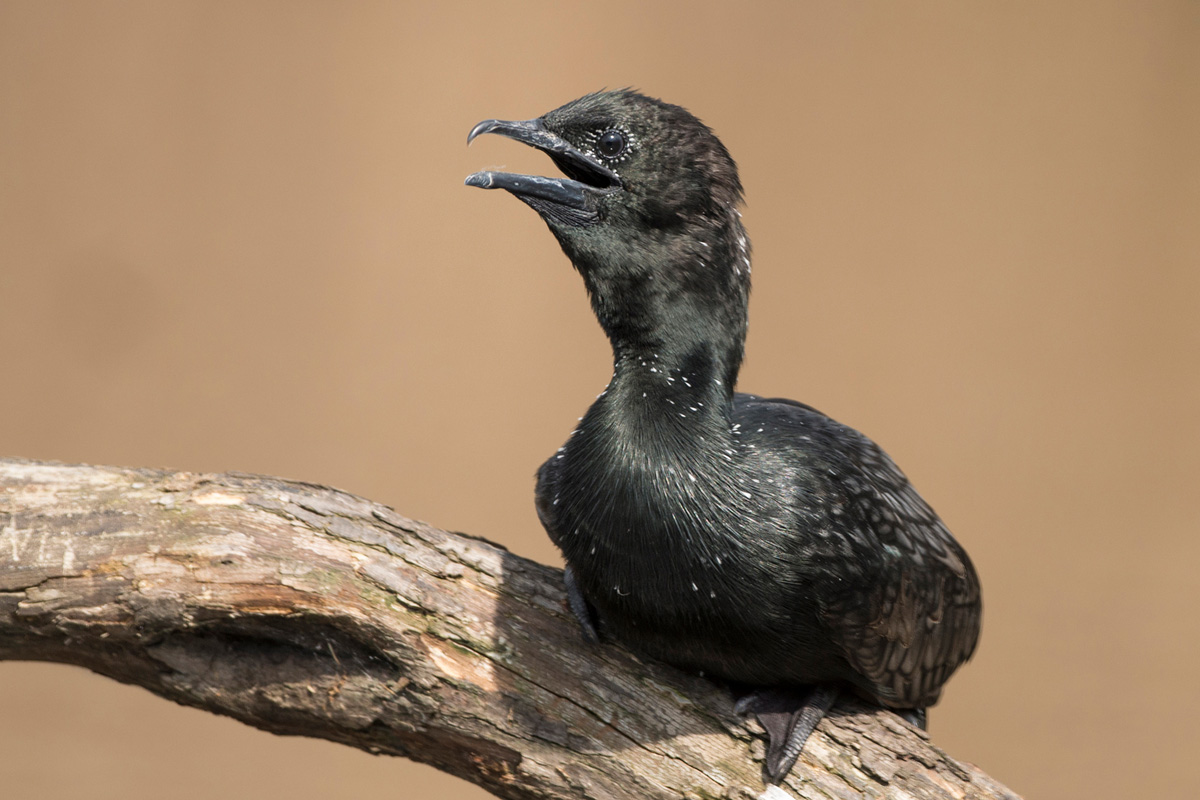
[(788, 718), (580, 608), (913, 716)]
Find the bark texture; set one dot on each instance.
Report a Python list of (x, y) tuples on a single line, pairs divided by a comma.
[(304, 610)]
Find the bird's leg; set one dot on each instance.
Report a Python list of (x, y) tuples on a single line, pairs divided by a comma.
[(913, 716), (580, 608), (788, 718)]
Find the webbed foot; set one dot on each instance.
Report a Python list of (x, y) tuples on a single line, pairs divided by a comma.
[(788, 717)]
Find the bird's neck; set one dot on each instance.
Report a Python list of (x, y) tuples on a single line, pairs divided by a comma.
[(677, 324), (667, 395), (678, 362)]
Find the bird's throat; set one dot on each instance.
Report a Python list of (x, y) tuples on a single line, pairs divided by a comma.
[(674, 308)]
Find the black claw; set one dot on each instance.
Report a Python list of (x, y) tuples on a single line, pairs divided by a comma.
[(580, 608)]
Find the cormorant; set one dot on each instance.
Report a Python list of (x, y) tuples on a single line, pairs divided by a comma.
[(754, 540)]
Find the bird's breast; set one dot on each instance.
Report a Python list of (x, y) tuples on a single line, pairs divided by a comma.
[(683, 556)]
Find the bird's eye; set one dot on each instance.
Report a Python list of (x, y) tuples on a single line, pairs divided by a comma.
[(611, 144)]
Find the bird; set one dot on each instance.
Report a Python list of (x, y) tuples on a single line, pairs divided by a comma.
[(750, 539)]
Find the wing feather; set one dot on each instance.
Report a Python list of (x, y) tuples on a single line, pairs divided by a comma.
[(919, 618)]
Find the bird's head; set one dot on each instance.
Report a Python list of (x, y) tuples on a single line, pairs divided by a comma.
[(646, 208), (637, 171)]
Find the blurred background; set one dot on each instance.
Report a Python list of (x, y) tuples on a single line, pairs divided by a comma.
[(234, 236)]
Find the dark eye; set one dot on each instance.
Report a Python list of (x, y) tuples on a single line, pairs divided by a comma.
[(611, 144)]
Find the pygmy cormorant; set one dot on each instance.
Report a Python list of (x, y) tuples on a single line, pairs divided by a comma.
[(754, 540)]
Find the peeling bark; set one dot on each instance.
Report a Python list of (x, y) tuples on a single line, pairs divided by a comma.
[(307, 611)]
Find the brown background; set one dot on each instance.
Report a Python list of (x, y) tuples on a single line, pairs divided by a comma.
[(235, 236)]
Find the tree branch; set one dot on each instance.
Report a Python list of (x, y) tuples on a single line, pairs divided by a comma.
[(305, 610)]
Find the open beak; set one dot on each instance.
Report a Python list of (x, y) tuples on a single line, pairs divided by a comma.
[(586, 177)]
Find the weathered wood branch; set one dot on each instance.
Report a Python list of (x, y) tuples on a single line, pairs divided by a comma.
[(305, 610)]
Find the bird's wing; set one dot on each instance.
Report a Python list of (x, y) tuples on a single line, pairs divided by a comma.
[(921, 619)]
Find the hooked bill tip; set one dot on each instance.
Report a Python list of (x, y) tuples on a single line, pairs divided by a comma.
[(484, 127)]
